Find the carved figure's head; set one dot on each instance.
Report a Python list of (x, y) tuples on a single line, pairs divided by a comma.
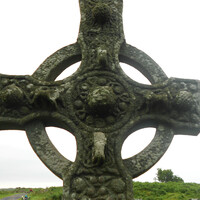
[(101, 99)]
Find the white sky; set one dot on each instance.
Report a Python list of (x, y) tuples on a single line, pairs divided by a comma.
[(31, 30)]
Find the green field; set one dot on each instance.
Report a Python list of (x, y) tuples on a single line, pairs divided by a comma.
[(2, 195), (166, 191), (10, 192), (53, 193), (144, 191), (7, 193)]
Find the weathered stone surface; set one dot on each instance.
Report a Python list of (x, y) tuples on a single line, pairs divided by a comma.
[(100, 106)]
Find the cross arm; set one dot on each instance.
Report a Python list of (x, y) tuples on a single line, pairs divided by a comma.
[(172, 107), (30, 104), (23, 98), (175, 103)]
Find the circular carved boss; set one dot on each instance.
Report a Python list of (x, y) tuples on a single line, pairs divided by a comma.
[(60, 60), (100, 99)]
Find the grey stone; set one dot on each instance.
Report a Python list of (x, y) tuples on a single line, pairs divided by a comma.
[(100, 106)]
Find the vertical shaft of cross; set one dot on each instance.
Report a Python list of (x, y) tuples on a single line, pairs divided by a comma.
[(98, 174), (101, 34)]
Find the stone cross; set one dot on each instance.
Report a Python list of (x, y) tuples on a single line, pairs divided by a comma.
[(100, 106)]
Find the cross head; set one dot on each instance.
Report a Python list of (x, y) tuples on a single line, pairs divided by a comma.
[(100, 106)]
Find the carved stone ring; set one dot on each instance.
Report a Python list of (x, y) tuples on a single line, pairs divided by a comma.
[(130, 55)]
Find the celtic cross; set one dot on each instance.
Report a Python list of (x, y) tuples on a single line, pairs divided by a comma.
[(101, 106)]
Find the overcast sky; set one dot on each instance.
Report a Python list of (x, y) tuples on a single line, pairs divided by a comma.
[(31, 30)]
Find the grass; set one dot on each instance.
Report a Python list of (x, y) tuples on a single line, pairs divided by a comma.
[(166, 191), (53, 193), (6, 193), (144, 191), (10, 192)]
